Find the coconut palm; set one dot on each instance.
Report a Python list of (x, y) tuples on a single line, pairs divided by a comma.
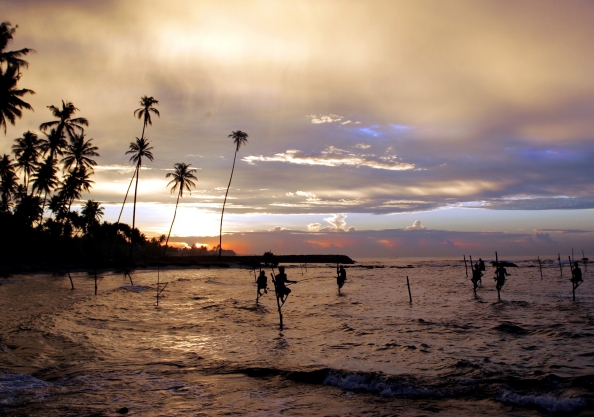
[(76, 182), (12, 58), (239, 138), (91, 214), (79, 153), (183, 178), (144, 112), (8, 182), (65, 124), (27, 150), (45, 179), (53, 144), (11, 105), (139, 149)]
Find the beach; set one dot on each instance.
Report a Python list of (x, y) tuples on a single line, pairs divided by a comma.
[(209, 349)]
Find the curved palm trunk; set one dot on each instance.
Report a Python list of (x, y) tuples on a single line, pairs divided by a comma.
[(126, 196), (224, 202), (171, 228), (134, 210)]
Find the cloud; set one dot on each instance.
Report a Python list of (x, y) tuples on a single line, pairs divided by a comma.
[(330, 118), (277, 229), (334, 157), (337, 224), (416, 226), (362, 146), (314, 227)]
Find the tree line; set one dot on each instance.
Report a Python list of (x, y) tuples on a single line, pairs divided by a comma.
[(49, 170)]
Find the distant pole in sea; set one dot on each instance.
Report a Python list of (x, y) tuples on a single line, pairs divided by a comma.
[(572, 283), (496, 277), (560, 264), (540, 267), (585, 261), (465, 266), (408, 285)]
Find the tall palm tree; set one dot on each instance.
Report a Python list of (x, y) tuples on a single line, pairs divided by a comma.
[(79, 153), (11, 105), (144, 113), (66, 123), (45, 179), (139, 149), (53, 144), (239, 138), (183, 178), (8, 183), (27, 150)]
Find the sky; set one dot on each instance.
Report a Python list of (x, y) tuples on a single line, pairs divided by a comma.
[(377, 128)]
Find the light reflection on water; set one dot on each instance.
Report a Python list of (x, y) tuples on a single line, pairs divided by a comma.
[(373, 344)]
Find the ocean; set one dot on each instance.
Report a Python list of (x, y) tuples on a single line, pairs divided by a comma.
[(208, 349)]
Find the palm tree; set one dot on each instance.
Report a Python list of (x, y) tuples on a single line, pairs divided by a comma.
[(54, 144), (145, 111), (45, 179), (77, 181), (8, 183), (12, 58), (182, 178), (65, 123), (11, 105), (239, 138), (91, 214), (78, 153), (27, 150), (138, 149)]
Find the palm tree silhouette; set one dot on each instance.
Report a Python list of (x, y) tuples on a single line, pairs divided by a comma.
[(77, 181), (53, 144), (65, 123), (91, 214), (12, 58), (8, 182), (45, 179), (145, 111), (11, 104), (27, 150), (138, 149), (78, 153), (10, 63), (239, 138), (183, 178)]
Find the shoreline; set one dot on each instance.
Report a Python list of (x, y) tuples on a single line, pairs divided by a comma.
[(248, 261)]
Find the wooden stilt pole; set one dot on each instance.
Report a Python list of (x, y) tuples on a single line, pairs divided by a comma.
[(572, 283), (465, 266), (278, 304), (560, 265), (496, 277), (158, 285), (474, 284), (585, 261), (408, 285), (540, 266), (71, 283)]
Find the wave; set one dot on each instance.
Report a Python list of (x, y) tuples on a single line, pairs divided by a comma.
[(545, 402)]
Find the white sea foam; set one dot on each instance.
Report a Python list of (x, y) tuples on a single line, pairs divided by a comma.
[(358, 382), (545, 402), (14, 384)]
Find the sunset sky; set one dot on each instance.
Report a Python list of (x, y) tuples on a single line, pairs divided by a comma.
[(376, 128)]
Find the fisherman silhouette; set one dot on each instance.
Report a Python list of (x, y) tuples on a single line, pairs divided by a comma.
[(282, 291), (481, 264), (576, 275), (340, 276), (262, 283), (476, 276), (500, 273)]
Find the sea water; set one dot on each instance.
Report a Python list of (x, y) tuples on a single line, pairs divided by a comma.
[(209, 349)]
